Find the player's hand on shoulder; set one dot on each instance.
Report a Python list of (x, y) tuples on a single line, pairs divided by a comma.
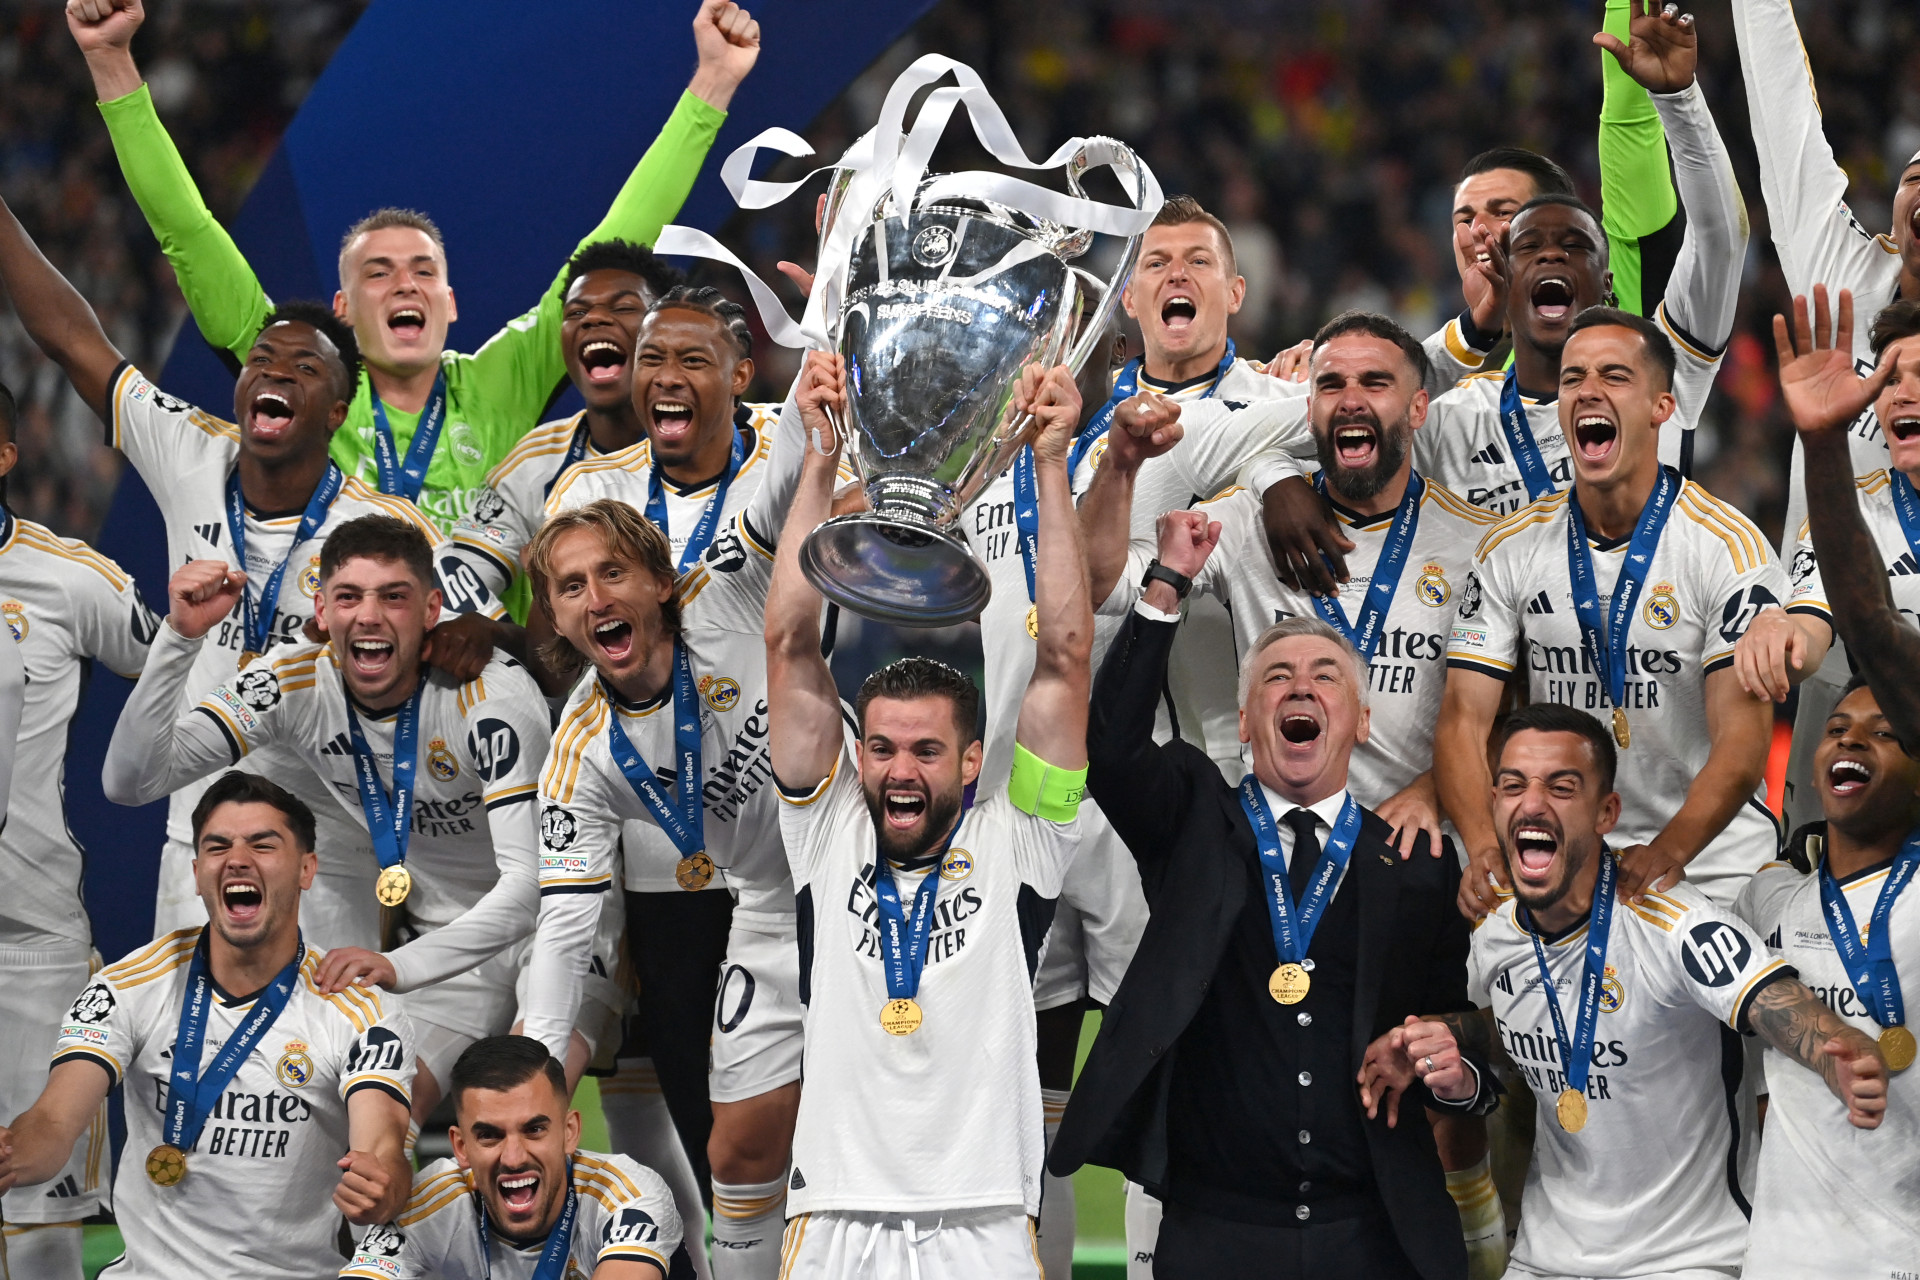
[(345, 967), (200, 593), (1304, 538), (104, 24), (363, 1187), (1769, 654), (1859, 1077), (1290, 365), (461, 646), (1649, 868), (1187, 538), (1484, 883), (1411, 810), (1817, 378), (1053, 398), (1662, 48), (728, 41), (1144, 426)]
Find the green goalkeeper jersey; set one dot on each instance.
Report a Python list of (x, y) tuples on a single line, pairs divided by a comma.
[(494, 395)]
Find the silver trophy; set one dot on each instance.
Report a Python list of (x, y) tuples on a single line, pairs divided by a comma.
[(944, 303)]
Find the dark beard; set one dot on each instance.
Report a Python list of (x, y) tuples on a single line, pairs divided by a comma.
[(1390, 452), (905, 851)]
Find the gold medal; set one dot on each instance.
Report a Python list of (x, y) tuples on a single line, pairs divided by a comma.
[(166, 1165), (1621, 733), (393, 886), (246, 659), (901, 1017), (693, 872), (1571, 1109), (1897, 1047), (1033, 621), (1289, 984)]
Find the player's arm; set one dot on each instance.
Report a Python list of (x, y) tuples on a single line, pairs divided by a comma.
[(1143, 427), (1791, 1018), (628, 1269), (1824, 395), (13, 700), (220, 287), (1465, 781), (155, 751), (1637, 199), (1461, 345), (375, 1175), (644, 1238), (1304, 538), (823, 376), (803, 704), (521, 364), (1052, 726), (579, 836), (36, 1146), (56, 317), (1780, 650)]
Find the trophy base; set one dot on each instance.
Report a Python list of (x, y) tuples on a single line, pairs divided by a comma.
[(895, 571)]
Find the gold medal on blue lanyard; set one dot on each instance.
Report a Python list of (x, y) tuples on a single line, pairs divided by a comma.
[(1869, 958), (1576, 1051), (389, 823), (1606, 637), (682, 817), (1293, 927)]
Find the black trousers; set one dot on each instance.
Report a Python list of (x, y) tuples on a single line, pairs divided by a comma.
[(676, 942), (1198, 1246)]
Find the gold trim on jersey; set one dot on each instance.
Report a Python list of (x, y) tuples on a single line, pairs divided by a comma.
[(1669, 905), (435, 1195), (588, 1163), (95, 1053), (570, 742), (1651, 917), (1744, 542), (1457, 346), (1740, 1001), (801, 802), (1459, 506), (470, 695), (40, 538), (398, 508), (1673, 332), (790, 1246), (492, 798), (638, 456), (1541, 512), (157, 961), (543, 441)]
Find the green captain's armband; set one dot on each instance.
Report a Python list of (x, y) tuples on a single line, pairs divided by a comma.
[(1044, 791)]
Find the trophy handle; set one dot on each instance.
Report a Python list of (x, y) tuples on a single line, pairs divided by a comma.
[(1127, 166)]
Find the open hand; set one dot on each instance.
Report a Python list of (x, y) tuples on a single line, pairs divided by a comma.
[(1484, 285), (1411, 810), (1662, 49), (1817, 377)]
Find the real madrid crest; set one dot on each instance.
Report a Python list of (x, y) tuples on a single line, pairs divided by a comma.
[(295, 1068), (16, 615), (721, 692), (1433, 589), (441, 762), (957, 865), (1662, 608), (310, 578), (1612, 994)]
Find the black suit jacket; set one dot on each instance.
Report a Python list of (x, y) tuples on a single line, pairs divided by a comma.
[(1196, 852)]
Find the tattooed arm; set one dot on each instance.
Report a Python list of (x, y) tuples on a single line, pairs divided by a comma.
[(1791, 1018)]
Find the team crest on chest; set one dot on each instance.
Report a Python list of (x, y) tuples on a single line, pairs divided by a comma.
[(1099, 453), (957, 865), (441, 761), (1662, 609), (310, 577), (295, 1068), (16, 615), (1433, 589), (1612, 993), (721, 692)]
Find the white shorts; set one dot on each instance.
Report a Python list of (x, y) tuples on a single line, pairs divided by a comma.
[(40, 987), (338, 911), (605, 991), (965, 1244), (1098, 921), (448, 1016), (757, 1017)]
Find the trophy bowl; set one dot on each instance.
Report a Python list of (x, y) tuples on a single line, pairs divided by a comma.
[(943, 309)]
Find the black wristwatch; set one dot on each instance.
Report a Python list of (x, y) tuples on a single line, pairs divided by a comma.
[(1157, 572)]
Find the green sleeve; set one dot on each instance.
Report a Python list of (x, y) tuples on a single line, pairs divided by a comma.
[(1636, 187), (227, 301), (519, 367)]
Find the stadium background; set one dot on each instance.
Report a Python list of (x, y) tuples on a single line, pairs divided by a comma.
[(1326, 132)]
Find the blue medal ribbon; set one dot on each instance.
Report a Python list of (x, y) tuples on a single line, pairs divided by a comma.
[(682, 816), (559, 1247), (1576, 1053), (1293, 926), (1026, 490), (1906, 505), (903, 939), (1605, 639), (702, 535), (576, 450), (189, 1100), (1365, 634), (257, 622), (407, 478), (1520, 442), (389, 824), (1870, 962)]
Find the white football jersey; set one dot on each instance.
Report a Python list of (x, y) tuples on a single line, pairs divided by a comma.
[(257, 1198), (1661, 1143), (185, 456), (479, 752), (1711, 573), (1833, 1200), (948, 1117), (1809, 591), (508, 509), (65, 603), (1818, 239), (623, 1211), (585, 800), (1408, 673)]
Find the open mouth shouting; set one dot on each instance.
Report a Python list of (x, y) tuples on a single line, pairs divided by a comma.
[(904, 807), (1535, 845), (1299, 728), (613, 637), (371, 657), (1904, 427), (519, 1192), (1178, 313), (1356, 442), (1552, 298), (603, 361), (1594, 436), (1848, 777), (242, 900), (271, 416), (670, 422), (407, 323)]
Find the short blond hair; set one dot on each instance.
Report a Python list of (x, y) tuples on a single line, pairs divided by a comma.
[(628, 535), (380, 220), (1178, 211)]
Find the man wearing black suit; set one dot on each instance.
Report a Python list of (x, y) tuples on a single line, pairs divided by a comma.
[(1224, 1077)]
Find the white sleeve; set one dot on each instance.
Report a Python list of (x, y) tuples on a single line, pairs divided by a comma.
[(1715, 959), (489, 538), (645, 1225), (13, 699), (114, 625), (766, 511), (505, 746), (1454, 350), (1042, 848), (166, 440), (1816, 235), (155, 751), (1220, 444), (463, 586), (809, 821), (1806, 589), (1486, 633), (1704, 287), (579, 840), (382, 1057), (1269, 469)]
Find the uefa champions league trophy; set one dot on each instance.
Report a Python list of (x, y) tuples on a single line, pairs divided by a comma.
[(937, 291)]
